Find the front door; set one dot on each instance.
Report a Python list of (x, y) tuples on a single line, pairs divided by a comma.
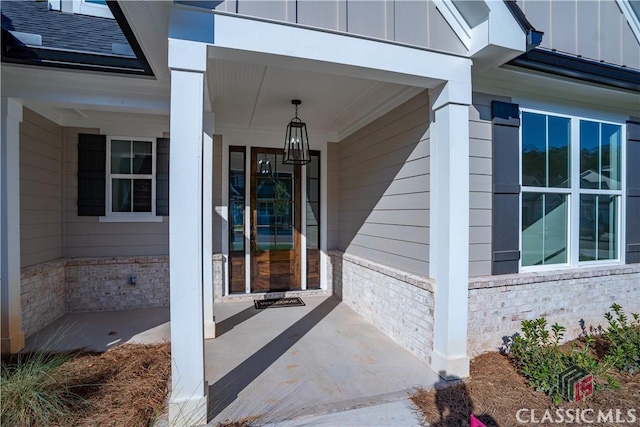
[(275, 222)]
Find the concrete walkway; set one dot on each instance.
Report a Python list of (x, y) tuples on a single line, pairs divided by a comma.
[(309, 365), (321, 364)]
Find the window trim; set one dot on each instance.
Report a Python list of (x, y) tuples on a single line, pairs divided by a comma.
[(111, 216), (574, 191)]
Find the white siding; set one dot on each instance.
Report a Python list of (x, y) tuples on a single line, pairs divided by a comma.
[(384, 189), (595, 29), (40, 189), (217, 194), (333, 195), (417, 23)]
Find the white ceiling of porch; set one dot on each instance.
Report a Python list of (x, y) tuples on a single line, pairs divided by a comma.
[(258, 97)]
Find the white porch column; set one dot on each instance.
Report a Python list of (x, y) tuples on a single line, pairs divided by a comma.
[(449, 227), (188, 402), (11, 307), (207, 225)]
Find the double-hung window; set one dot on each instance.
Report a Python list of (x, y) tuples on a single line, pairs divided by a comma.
[(131, 175), (572, 190)]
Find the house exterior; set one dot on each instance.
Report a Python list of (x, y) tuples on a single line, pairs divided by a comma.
[(467, 172)]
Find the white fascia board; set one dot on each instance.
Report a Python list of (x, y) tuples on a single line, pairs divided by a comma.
[(632, 19), (504, 30), (500, 30), (243, 39)]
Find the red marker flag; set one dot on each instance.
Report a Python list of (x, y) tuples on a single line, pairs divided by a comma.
[(475, 422)]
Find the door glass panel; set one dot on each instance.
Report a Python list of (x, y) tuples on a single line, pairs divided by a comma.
[(284, 239), (237, 281), (312, 206)]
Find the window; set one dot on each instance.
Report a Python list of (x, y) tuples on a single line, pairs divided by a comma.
[(571, 190), (131, 176)]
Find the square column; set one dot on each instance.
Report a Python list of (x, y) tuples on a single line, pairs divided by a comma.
[(207, 225), (11, 307), (188, 401), (449, 227)]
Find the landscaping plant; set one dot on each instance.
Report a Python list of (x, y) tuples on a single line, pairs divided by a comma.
[(33, 394), (623, 339), (537, 355)]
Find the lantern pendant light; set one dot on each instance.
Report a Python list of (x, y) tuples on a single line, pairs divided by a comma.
[(296, 141)]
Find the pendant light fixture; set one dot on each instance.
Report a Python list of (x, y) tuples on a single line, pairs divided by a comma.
[(296, 141)]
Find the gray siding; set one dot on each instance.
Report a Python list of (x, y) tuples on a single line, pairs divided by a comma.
[(217, 194), (594, 29), (417, 23), (86, 237), (480, 184), (384, 189), (333, 195), (40, 189)]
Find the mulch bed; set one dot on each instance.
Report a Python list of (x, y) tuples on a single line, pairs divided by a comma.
[(495, 392), (125, 386)]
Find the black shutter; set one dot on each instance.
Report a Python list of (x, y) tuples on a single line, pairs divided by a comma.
[(162, 177), (505, 228), (633, 193), (91, 174)]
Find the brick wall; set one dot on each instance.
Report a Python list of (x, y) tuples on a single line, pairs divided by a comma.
[(218, 275), (103, 284), (497, 304), (397, 303), (42, 294)]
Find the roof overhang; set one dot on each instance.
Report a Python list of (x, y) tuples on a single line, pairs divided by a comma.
[(16, 52)]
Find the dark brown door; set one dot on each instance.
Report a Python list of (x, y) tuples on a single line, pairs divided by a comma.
[(275, 222)]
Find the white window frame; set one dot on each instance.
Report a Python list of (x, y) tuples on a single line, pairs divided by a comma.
[(573, 193), (129, 216)]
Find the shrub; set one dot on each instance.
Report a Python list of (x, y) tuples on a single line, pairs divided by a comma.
[(623, 338), (33, 394), (537, 355)]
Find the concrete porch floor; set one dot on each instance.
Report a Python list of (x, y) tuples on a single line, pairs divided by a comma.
[(293, 363)]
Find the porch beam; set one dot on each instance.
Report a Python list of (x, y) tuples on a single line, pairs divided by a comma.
[(188, 401), (449, 239), (11, 308)]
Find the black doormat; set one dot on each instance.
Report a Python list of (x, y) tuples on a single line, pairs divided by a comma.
[(278, 302)]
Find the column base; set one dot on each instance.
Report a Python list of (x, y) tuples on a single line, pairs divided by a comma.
[(450, 368), (12, 344), (189, 412), (209, 329)]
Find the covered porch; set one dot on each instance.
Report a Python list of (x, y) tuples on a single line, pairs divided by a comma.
[(275, 364)]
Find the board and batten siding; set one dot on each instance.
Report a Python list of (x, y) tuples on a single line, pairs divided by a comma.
[(417, 23), (85, 236), (384, 189), (40, 189), (595, 29), (480, 183)]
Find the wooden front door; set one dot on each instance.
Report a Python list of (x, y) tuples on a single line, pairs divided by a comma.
[(275, 222)]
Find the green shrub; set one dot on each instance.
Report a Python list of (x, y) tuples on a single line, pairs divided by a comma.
[(34, 393), (538, 357), (623, 338)]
